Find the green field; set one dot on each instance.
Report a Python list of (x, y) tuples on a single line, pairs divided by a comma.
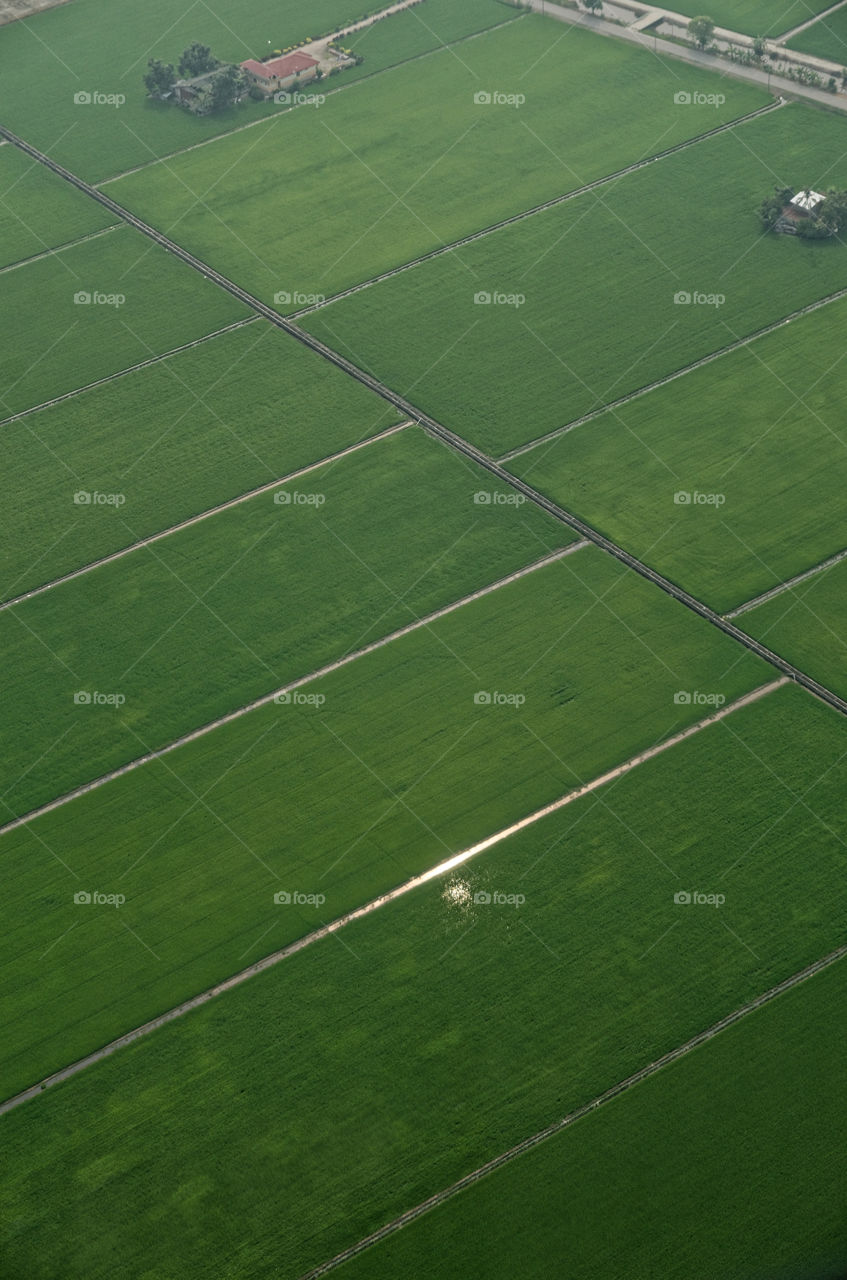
[(398, 768), (57, 51), (38, 211), (50, 344), (758, 432), (176, 438), (826, 39), (757, 1112), (755, 17), (808, 625), (381, 201), (236, 606), (438, 1035), (599, 276)]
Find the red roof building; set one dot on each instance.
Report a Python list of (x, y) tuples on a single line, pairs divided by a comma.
[(292, 64)]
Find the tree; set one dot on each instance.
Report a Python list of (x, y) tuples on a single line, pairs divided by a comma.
[(160, 78), (593, 5), (701, 31), (196, 60), (771, 209), (224, 88), (760, 49)]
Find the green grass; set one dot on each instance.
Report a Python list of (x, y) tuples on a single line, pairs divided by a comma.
[(755, 17), (760, 429), (51, 345), (382, 201), (354, 1080), (174, 438), (39, 210), (62, 51), (808, 625), (398, 768), (826, 39), (752, 1123), (599, 276), (239, 604)]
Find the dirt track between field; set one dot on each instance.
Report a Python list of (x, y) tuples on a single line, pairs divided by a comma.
[(610, 1094), (202, 515), (298, 683), (788, 584), (441, 869)]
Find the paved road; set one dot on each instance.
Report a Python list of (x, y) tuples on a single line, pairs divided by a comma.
[(694, 57), (443, 868)]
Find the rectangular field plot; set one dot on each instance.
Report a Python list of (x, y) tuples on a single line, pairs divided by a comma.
[(729, 480), (64, 51), (707, 1129), (378, 772), (173, 439), (383, 202), (231, 608), (553, 317), (38, 211), (98, 307), (755, 17), (447, 1027), (808, 625), (826, 39)]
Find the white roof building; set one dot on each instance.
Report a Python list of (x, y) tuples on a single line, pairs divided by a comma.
[(808, 201)]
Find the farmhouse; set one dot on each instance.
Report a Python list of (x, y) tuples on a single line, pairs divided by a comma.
[(805, 202), (281, 73)]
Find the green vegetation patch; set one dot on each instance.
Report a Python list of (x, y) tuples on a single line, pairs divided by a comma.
[(173, 439), (755, 17), (98, 307), (808, 625), (729, 480), (378, 771), (38, 211), (231, 608), (378, 1066), (553, 317), (415, 160), (826, 39), (627, 1185)]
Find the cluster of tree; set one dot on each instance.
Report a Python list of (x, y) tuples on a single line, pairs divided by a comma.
[(827, 220), (196, 60), (701, 31)]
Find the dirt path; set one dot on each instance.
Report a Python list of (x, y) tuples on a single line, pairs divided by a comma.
[(614, 1092), (442, 868), (11, 10), (60, 248), (203, 515), (786, 586), (268, 698)]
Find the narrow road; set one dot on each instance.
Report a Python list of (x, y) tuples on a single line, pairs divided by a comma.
[(59, 248), (203, 515), (268, 698), (787, 586), (440, 432), (610, 1094), (810, 22), (442, 868)]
